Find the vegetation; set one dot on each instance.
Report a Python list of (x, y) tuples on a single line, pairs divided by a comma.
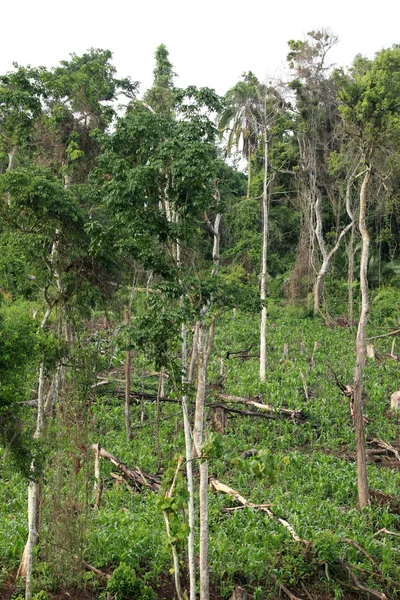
[(158, 438)]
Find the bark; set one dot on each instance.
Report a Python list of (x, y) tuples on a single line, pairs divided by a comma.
[(188, 454), (25, 567), (363, 492), (198, 432), (128, 425), (350, 274), (194, 354), (173, 545), (263, 290)]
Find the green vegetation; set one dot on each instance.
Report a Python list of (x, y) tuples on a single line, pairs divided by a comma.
[(129, 247)]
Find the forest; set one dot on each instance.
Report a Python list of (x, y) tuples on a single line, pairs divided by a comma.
[(199, 321)]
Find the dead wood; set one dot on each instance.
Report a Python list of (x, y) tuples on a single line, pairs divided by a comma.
[(283, 412), (93, 569), (387, 532), (136, 475), (120, 479), (360, 549), (248, 413), (288, 592), (239, 594), (246, 356), (387, 447), (359, 586), (241, 352), (99, 494), (383, 335), (221, 487)]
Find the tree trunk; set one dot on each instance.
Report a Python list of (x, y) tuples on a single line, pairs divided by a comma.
[(248, 171), (363, 493), (188, 453), (198, 432), (327, 256), (128, 426), (350, 274), (263, 289), (10, 166)]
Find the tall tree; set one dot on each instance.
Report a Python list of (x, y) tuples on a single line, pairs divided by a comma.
[(241, 119), (370, 110)]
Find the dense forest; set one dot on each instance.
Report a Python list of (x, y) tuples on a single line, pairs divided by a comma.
[(199, 310)]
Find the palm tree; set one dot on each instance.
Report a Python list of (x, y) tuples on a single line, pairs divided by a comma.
[(241, 118)]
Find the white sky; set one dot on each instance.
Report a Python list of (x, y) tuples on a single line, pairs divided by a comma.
[(211, 42)]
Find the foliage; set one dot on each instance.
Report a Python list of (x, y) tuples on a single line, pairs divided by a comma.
[(124, 584)]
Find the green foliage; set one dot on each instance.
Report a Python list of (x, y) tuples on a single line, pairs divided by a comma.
[(125, 584)]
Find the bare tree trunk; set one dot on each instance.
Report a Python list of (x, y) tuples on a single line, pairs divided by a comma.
[(10, 166), (263, 289), (25, 567), (194, 354), (188, 453), (327, 256), (198, 432), (175, 557), (248, 171), (128, 425), (350, 274), (363, 492)]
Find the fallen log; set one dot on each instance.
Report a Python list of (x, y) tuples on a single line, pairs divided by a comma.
[(283, 412), (93, 569), (136, 475), (221, 487), (387, 447)]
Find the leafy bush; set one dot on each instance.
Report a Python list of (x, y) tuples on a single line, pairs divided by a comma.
[(125, 585)]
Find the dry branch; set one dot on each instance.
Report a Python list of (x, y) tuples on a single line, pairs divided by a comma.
[(387, 532), (288, 592), (360, 586), (120, 479), (283, 412), (383, 335), (93, 569), (136, 475), (360, 549), (221, 487), (387, 447)]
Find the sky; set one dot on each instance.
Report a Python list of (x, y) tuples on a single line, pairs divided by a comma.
[(211, 42)]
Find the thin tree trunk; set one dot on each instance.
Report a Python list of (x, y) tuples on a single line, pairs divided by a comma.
[(198, 433), (10, 166), (327, 256), (350, 274), (363, 492), (128, 425), (188, 453), (248, 171), (263, 287)]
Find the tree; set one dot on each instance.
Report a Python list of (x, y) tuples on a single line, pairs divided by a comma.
[(317, 119), (370, 110), (241, 118)]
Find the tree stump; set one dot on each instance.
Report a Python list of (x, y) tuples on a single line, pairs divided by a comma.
[(239, 594), (395, 401), (219, 420)]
